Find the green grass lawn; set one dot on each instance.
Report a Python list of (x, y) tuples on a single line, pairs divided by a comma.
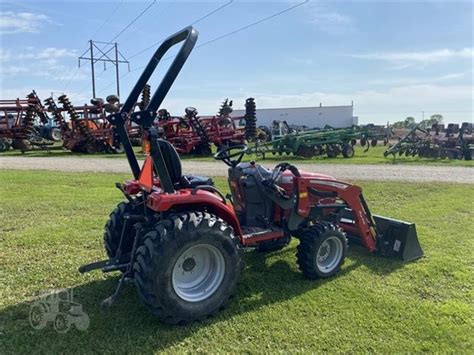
[(373, 156), (52, 223)]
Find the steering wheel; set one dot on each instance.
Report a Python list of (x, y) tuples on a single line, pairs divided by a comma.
[(225, 154), (271, 183)]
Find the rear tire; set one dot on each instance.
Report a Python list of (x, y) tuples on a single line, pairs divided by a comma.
[(164, 271), (113, 231), (321, 251)]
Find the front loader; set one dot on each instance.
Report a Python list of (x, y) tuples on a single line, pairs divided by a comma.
[(181, 240)]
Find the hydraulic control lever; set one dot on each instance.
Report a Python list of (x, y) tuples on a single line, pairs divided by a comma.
[(271, 185)]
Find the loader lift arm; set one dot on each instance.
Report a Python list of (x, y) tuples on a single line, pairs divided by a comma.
[(385, 236)]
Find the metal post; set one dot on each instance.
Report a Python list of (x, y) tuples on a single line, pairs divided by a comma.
[(92, 68), (117, 69)]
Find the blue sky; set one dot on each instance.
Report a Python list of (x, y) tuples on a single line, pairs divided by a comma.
[(393, 59)]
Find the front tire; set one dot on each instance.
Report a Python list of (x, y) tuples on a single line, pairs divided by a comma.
[(187, 267), (62, 323), (321, 251)]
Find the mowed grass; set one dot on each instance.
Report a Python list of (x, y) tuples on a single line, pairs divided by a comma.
[(52, 223), (373, 156)]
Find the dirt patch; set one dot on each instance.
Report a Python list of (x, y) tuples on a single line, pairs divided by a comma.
[(418, 173)]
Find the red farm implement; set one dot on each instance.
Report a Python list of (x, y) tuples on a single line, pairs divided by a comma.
[(22, 123), (181, 239), (86, 130), (196, 134)]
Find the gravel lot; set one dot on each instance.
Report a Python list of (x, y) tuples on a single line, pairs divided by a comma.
[(416, 173)]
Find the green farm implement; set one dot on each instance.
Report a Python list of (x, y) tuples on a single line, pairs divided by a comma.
[(308, 144), (435, 143)]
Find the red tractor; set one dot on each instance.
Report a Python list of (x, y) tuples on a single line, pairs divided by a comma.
[(181, 239)]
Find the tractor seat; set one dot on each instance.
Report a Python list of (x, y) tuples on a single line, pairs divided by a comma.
[(195, 180), (173, 165)]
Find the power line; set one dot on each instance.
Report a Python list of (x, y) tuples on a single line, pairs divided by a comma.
[(71, 78), (104, 54), (108, 19), (96, 31), (225, 35), (253, 24), (133, 21), (192, 24), (239, 29), (73, 75)]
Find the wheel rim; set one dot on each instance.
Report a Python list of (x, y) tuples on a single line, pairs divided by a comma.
[(56, 135), (61, 323), (37, 316), (198, 272), (329, 254)]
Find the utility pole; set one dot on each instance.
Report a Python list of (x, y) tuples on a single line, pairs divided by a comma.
[(92, 67), (105, 57), (117, 70)]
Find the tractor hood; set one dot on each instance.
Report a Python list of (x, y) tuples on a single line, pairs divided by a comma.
[(288, 176)]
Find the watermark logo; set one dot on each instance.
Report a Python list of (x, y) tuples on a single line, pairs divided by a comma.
[(59, 309)]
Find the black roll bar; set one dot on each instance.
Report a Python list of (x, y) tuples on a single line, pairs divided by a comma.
[(145, 118)]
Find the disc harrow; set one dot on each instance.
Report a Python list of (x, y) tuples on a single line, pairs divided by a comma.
[(83, 142), (18, 124), (195, 134), (437, 142), (145, 97), (250, 119)]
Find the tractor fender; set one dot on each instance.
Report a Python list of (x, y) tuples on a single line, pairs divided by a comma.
[(184, 199)]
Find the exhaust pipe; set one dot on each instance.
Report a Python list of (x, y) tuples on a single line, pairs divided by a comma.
[(397, 239)]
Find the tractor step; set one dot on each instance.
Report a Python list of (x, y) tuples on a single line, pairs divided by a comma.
[(250, 232), (253, 235)]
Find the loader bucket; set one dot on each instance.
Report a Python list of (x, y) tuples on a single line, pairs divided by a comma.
[(397, 239)]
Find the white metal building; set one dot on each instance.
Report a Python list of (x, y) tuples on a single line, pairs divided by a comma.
[(312, 117)]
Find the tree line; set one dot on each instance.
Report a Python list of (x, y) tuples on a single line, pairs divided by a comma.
[(410, 122)]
